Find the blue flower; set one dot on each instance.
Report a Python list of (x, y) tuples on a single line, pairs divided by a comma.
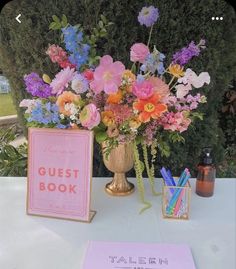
[(74, 44), (154, 63)]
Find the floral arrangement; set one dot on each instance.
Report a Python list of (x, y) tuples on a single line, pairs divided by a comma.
[(144, 105)]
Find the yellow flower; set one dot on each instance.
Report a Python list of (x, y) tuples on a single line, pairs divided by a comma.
[(176, 70), (127, 80), (108, 118), (134, 123), (128, 76), (46, 79)]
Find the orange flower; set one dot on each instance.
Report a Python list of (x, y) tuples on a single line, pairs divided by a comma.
[(150, 108), (115, 98), (108, 118), (67, 98), (176, 70)]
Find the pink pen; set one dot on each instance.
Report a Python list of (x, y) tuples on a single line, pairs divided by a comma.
[(178, 203)]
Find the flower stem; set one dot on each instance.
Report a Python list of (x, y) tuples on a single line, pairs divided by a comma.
[(150, 34), (172, 79)]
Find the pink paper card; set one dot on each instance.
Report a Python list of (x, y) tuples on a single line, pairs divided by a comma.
[(59, 173), (122, 255)]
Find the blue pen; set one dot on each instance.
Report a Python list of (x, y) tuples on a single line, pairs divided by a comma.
[(167, 179), (176, 194), (182, 176)]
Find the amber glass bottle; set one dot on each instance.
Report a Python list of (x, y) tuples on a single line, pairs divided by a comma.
[(206, 175)]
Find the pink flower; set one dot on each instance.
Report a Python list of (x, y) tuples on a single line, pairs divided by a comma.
[(143, 90), (160, 87), (56, 53), (107, 76), (61, 80), (88, 74), (175, 122), (139, 52), (89, 116)]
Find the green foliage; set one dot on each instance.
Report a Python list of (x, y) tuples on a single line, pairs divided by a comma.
[(13, 161), (23, 50), (57, 24)]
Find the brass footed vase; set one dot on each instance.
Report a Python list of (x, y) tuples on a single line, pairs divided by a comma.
[(119, 161)]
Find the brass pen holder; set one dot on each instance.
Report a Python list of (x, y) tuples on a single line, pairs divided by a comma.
[(176, 201)]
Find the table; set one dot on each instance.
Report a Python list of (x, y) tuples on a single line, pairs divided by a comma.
[(30, 242)]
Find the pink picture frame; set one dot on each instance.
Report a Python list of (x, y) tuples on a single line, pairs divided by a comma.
[(60, 173)]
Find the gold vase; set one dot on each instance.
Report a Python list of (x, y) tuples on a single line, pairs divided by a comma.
[(119, 161)]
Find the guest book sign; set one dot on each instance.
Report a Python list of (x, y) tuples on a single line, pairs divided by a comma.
[(59, 173), (114, 255)]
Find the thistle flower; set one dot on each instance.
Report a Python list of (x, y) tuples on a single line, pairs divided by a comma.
[(148, 16), (36, 86)]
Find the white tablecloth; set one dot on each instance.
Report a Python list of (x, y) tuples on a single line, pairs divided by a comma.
[(30, 242)]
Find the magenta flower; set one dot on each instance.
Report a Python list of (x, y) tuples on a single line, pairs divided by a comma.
[(107, 76), (139, 52), (143, 90), (62, 80)]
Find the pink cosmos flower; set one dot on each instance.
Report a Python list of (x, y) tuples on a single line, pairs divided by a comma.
[(143, 89), (61, 80), (175, 122), (139, 52), (89, 116), (107, 76)]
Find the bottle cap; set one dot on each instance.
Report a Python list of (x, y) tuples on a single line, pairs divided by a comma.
[(206, 156)]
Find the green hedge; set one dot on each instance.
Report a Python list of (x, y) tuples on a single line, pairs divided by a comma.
[(23, 50)]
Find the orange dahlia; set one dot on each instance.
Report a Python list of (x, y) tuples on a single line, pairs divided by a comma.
[(67, 98), (149, 108), (115, 98)]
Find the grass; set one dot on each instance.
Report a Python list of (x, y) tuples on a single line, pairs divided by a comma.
[(6, 105)]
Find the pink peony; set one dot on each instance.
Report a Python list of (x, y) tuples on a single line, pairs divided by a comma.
[(143, 90), (61, 80), (89, 116), (139, 52), (107, 76), (175, 122)]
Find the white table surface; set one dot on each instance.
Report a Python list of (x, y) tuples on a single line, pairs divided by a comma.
[(30, 242)]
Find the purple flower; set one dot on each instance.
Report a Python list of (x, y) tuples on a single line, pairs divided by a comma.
[(183, 56), (148, 16), (36, 86)]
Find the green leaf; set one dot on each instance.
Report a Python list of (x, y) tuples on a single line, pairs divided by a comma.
[(104, 19), (101, 137), (101, 25), (133, 68), (52, 25), (56, 19), (64, 21)]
